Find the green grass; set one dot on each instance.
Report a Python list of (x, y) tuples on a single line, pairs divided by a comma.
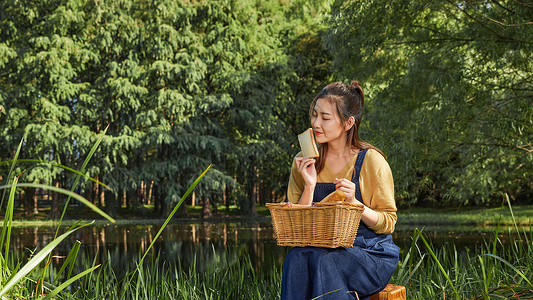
[(479, 216)]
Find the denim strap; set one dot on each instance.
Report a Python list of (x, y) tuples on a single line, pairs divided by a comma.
[(357, 172)]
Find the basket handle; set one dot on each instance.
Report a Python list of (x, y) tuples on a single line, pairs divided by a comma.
[(286, 204), (339, 203)]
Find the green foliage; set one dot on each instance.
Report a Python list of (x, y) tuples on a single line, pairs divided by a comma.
[(449, 93), (186, 84), (181, 85)]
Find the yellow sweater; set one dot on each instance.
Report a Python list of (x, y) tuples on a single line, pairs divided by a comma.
[(377, 187)]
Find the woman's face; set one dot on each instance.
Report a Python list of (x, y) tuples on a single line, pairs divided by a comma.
[(326, 123)]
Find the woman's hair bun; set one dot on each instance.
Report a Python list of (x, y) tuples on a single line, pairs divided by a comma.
[(356, 86), (355, 83)]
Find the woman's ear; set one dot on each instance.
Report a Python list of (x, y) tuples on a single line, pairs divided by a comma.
[(349, 123)]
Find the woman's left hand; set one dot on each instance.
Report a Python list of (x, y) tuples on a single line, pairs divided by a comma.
[(348, 187)]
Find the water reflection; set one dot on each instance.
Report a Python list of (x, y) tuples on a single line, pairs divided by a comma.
[(201, 245)]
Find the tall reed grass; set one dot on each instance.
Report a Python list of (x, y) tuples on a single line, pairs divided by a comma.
[(228, 279), (16, 281), (13, 277), (494, 270)]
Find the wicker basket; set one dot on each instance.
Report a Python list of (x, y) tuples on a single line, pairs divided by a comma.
[(328, 225)]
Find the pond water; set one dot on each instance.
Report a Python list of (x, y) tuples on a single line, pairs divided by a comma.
[(201, 244)]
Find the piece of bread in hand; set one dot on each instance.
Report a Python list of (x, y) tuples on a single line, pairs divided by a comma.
[(336, 196), (308, 144)]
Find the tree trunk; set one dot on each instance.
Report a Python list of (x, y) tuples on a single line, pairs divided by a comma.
[(254, 195), (101, 199), (166, 209), (226, 198), (89, 193), (264, 193), (206, 208), (132, 201), (164, 205), (96, 192), (111, 204), (150, 190), (251, 196), (141, 193), (54, 211), (124, 200), (154, 197), (214, 203), (35, 199), (27, 201)]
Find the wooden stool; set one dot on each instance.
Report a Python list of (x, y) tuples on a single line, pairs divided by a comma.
[(391, 292)]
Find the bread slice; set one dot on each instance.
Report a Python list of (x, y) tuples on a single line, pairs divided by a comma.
[(308, 144), (336, 196)]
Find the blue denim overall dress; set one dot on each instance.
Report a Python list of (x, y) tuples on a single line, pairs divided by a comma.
[(366, 268)]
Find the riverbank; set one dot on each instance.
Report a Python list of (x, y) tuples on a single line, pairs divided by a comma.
[(407, 218)]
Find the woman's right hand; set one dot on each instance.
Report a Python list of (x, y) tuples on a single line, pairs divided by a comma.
[(306, 167)]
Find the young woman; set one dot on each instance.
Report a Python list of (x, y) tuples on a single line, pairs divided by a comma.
[(361, 171)]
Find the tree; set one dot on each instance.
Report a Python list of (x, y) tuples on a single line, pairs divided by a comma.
[(180, 84), (450, 93)]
